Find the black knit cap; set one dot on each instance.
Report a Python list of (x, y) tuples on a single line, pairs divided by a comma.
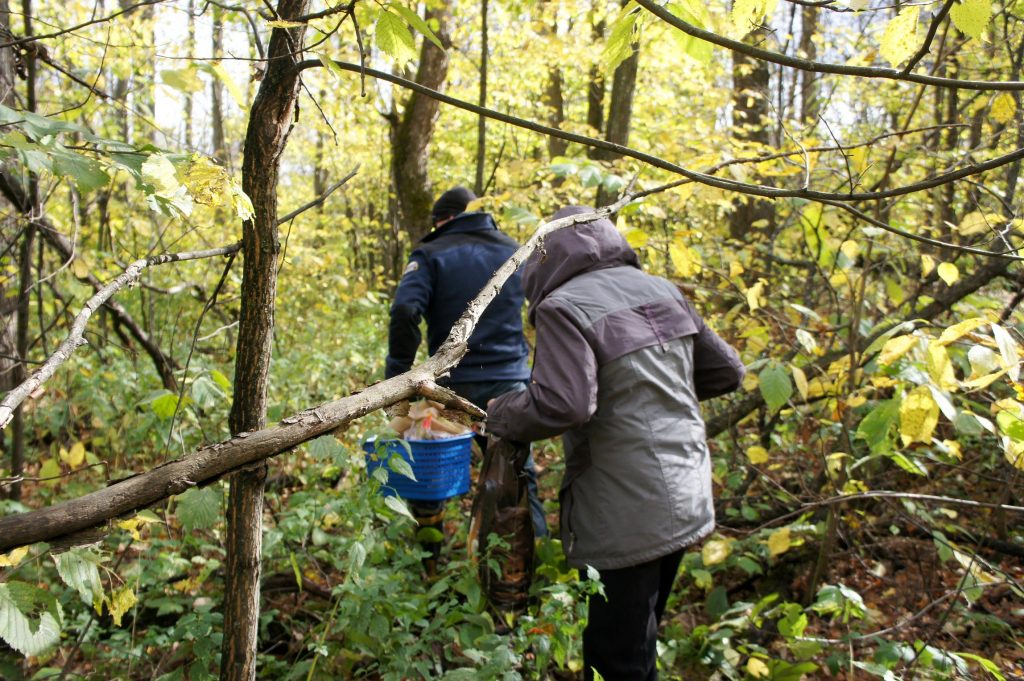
[(451, 203)]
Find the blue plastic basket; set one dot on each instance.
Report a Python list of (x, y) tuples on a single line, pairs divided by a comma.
[(441, 467)]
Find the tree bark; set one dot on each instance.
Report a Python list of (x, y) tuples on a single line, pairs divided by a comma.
[(481, 125), (810, 88), (411, 135), (620, 114), (219, 150), (270, 121), (750, 113), (595, 90)]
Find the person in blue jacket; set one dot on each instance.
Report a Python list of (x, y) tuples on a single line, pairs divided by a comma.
[(446, 270)]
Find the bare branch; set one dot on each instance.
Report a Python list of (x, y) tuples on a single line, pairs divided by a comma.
[(693, 175), (821, 67), (320, 199), (18, 395), (109, 17)]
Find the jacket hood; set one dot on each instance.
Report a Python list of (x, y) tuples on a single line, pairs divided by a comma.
[(573, 250), (463, 222)]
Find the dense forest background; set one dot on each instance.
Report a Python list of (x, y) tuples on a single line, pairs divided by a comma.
[(206, 205)]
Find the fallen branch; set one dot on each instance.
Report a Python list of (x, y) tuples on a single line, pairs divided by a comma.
[(75, 338), (75, 516)]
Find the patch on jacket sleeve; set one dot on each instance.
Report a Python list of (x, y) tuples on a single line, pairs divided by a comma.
[(411, 267)]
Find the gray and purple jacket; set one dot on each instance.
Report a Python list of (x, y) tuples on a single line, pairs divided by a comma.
[(621, 361)]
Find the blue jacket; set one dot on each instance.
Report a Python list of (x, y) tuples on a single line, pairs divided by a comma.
[(446, 271)]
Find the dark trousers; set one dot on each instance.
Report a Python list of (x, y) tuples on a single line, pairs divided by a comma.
[(621, 637)]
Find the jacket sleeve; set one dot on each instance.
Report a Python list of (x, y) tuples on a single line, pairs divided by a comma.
[(412, 298), (562, 394), (717, 367)]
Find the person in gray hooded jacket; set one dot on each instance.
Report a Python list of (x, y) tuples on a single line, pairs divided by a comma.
[(621, 361)]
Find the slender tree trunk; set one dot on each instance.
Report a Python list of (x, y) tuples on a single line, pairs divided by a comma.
[(595, 90), (190, 48), (24, 275), (270, 122), (810, 89), (9, 364), (750, 118), (554, 96), (220, 152), (481, 125), (411, 135)]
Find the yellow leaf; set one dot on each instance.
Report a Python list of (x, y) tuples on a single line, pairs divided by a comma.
[(919, 414), (900, 40), (983, 381), (1004, 108), (715, 551), (948, 273), (978, 223), (859, 156), (971, 16), (159, 172), (1014, 452), (684, 259), (750, 381), (14, 557), (132, 527), (927, 264), (755, 295), (757, 454), (636, 238), (800, 378), (757, 668), (855, 401), (954, 449), (735, 269), (850, 248), (120, 602), (75, 457), (940, 368), (895, 348), (959, 330), (779, 542)]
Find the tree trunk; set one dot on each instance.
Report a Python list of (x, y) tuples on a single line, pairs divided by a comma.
[(595, 91), (750, 114), (620, 114), (481, 126), (270, 122), (9, 364), (411, 135), (810, 90), (219, 150)]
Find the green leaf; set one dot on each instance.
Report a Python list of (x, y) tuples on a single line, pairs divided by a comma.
[(398, 506), (900, 40), (207, 393), (30, 618), (199, 509), (159, 172), (971, 16), (220, 379), (184, 80), (164, 405), (519, 216), (393, 37), (328, 62), (776, 388), (217, 70), (696, 14), (78, 568), (418, 23), (38, 127), (877, 425), (87, 173), (621, 38), (986, 664), (908, 464), (401, 466)]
